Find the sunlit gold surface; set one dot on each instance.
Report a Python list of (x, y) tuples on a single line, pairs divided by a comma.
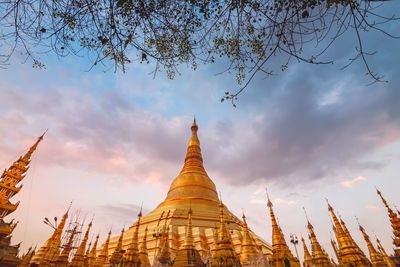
[(307, 256), (350, 253), (376, 258), (319, 257), (282, 256), (192, 188), (395, 221)]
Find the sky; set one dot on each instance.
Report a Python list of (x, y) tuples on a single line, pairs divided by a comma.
[(117, 140)]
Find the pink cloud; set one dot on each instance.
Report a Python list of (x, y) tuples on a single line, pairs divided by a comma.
[(372, 207), (350, 183)]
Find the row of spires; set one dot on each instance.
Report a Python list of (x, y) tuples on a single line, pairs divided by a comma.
[(223, 253), (346, 249), (50, 255), (347, 252)]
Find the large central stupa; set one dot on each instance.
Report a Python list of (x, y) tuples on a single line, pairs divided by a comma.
[(191, 189)]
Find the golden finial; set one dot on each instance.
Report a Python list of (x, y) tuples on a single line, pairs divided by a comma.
[(194, 125), (329, 205), (269, 203), (140, 212), (305, 213)]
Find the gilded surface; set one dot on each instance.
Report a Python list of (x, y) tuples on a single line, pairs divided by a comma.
[(192, 188)]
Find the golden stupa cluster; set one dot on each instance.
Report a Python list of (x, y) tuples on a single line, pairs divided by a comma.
[(191, 227)]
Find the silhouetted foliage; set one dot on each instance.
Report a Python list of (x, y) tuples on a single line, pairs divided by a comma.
[(248, 33)]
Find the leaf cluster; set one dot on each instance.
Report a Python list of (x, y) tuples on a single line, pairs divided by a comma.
[(246, 33)]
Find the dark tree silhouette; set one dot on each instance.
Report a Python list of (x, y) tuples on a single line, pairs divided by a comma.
[(248, 33)]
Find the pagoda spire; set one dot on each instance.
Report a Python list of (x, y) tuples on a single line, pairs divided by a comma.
[(165, 254), (188, 243), (347, 233), (280, 250), (102, 259), (92, 253), (349, 251), (51, 247), (319, 256), (187, 254), (248, 249), (79, 257), (223, 232), (143, 254), (308, 262), (224, 252), (384, 254), (376, 258), (117, 255), (193, 180), (26, 258), (10, 179), (86, 257), (395, 222), (337, 252), (132, 253), (62, 259)]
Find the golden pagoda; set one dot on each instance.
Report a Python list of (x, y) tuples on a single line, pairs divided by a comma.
[(350, 253), (164, 255), (92, 254), (102, 259), (336, 250), (190, 228), (388, 261), (308, 262), (248, 250), (26, 258), (50, 249), (143, 254), (376, 258), (191, 189), (224, 255), (86, 257), (79, 258), (132, 253), (395, 222), (62, 259), (9, 181), (319, 256), (116, 256), (187, 255), (282, 256)]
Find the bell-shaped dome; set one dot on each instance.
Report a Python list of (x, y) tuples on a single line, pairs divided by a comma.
[(193, 181)]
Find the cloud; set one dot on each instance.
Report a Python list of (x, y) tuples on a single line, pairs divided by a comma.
[(350, 183), (372, 207), (289, 130)]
